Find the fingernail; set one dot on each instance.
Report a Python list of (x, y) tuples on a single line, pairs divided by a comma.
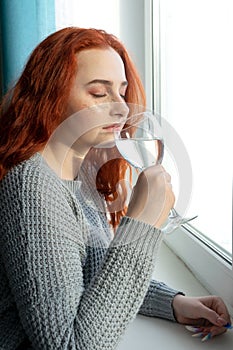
[(228, 326), (197, 335), (192, 329), (207, 337)]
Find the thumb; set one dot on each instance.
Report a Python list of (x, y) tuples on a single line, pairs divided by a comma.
[(212, 316)]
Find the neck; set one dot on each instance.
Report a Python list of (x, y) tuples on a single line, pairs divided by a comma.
[(64, 161)]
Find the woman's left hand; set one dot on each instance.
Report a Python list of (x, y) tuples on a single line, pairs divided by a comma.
[(208, 313)]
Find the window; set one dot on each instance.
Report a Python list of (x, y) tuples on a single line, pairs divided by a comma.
[(196, 98), (192, 58)]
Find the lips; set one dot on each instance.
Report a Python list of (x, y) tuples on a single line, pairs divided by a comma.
[(113, 127)]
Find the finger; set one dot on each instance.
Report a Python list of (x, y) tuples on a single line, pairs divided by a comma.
[(167, 177), (212, 316), (217, 331), (213, 331), (155, 169), (216, 307)]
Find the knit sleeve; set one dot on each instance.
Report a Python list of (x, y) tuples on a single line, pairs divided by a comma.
[(158, 301), (43, 253)]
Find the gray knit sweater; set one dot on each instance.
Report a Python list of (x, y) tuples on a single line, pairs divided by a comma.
[(65, 281)]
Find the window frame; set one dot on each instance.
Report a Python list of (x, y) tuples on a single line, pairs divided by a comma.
[(213, 267)]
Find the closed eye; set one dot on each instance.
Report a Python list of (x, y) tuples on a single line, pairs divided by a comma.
[(98, 95)]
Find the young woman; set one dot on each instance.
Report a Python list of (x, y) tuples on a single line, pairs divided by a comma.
[(75, 271)]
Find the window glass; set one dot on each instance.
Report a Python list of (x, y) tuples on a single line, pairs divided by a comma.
[(196, 55)]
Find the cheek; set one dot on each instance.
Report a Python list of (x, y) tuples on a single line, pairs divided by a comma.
[(74, 107), (88, 117), (77, 102)]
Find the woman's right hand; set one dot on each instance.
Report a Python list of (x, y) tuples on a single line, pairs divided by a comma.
[(152, 197)]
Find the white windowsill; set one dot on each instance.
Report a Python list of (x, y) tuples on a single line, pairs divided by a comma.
[(151, 333)]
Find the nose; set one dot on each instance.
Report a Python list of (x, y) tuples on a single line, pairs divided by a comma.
[(119, 109)]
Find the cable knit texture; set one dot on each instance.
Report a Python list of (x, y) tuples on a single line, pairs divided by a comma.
[(66, 281)]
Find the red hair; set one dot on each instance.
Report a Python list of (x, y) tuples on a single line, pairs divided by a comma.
[(37, 103)]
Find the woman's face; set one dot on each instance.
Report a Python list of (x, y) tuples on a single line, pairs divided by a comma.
[(97, 97)]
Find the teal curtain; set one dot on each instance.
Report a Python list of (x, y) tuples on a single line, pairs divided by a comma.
[(24, 23)]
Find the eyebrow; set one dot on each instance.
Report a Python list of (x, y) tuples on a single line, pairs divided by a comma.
[(105, 82)]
